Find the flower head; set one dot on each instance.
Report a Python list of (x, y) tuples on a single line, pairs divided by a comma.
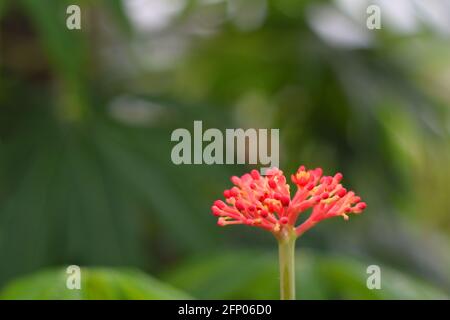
[(266, 202)]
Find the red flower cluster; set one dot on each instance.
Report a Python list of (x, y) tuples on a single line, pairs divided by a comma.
[(265, 201)]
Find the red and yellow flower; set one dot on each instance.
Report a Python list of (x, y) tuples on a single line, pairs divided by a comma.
[(266, 202)]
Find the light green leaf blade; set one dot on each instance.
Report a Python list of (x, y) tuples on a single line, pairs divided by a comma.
[(96, 284)]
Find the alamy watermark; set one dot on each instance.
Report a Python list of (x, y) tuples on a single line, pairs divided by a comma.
[(374, 278), (73, 21), (236, 146), (73, 281), (374, 17)]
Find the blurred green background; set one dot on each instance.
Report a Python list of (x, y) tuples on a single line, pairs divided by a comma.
[(86, 116)]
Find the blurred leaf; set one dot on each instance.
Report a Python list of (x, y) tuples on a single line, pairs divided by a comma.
[(66, 50), (96, 284), (346, 279), (254, 275), (244, 275), (117, 9), (3, 6), (135, 166)]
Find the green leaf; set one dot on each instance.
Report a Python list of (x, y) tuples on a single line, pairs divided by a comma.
[(347, 278), (243, 275), (254, 275), (96, 283), (66, 51)]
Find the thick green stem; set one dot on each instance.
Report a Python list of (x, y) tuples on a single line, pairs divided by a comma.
[(286, 251)]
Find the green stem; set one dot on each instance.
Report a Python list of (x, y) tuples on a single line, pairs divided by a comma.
[(286, 251)]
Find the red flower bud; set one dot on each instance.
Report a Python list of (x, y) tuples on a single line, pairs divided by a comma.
[(310, 186), (285, 201), (234, 191), (216, 211), (361, 205), (235, 180), (341, 192), (255, 174), (239, 205), (272, 184), (264, 213), (219, 204)]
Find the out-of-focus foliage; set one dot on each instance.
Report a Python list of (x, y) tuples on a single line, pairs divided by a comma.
[(86, 117), (96, 284), (253, 274)]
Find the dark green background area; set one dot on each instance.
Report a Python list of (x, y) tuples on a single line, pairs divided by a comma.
[(86, 176)]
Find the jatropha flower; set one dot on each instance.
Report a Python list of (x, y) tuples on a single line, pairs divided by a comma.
[(266, 202)]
